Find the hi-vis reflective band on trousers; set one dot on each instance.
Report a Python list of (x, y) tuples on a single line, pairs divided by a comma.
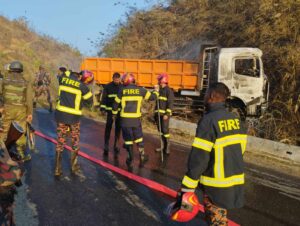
[(112, 95), (162, 98), (76, 110), (219, 180), (136, 141)]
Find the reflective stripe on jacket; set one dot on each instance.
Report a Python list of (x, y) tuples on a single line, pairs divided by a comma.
[(216, 158), (166, 101), (130, 99), (71, 92), (109, 94)]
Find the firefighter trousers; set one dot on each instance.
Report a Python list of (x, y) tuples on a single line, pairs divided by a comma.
[(108, 127)]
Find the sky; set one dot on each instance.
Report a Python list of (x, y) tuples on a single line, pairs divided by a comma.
[(72, 21)]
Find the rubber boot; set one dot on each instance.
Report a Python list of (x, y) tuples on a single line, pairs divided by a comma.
[(106, 149), (34, 104), (129, 159), (116, 151), (166, 146), (160, 148), (58, 158), (143, 157), (74, 164)]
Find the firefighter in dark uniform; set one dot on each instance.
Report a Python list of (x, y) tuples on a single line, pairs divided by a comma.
[(163, 111), (216, 159), (109, 94), (130, 99), (68, 112)]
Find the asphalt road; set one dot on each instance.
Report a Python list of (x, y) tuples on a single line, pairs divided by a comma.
[(101, 197)]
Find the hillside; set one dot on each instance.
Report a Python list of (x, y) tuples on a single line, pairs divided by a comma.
[(178, 30), (19, 42)]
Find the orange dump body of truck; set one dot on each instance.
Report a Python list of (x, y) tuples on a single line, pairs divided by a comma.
[(183, 75)]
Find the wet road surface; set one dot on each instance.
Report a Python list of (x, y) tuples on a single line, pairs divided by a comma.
[(101, 197)]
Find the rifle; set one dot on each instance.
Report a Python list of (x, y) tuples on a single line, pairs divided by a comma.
[(30, 137)]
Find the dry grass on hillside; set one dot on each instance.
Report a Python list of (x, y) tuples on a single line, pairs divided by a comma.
[(271, 25)]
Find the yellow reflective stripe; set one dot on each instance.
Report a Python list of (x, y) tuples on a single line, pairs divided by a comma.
[(231, 139), (87, 96), (128, 142), (103, 106), (127, 99), (223, 182), (202, 144), (74, 91), (219, 151), (189, 182), (156, 93), (112, 95), (68, 110), (160, 111), (169, 110), (163, 98), (147, 96), (138, 140), (108, 108), (67, 73), (117, 99), (166, 135), (114, 112)]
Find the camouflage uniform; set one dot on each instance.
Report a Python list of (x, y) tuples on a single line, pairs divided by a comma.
[(8, 177), (42, 87), (16, 93)]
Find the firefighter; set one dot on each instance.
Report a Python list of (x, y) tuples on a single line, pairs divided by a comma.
[(130, 99), (16, 94), (109, 94), (68, 112), (42, 86), (163, 111), (216, 159)]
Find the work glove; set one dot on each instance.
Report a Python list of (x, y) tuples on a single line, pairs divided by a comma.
[(180, 193)]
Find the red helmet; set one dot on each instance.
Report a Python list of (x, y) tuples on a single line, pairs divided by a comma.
[(187, 211), (87, 77), (163, 78), (127, 79)]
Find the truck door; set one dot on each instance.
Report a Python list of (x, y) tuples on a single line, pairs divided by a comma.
[(247, 80)]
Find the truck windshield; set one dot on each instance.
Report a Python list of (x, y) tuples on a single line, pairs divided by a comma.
[(247, 66)]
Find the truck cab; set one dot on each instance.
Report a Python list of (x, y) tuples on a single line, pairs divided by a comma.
[(241, 69)]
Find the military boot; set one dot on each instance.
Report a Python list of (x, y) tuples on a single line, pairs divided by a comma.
[(50, 107), (129, 159), (58, 171), (143, 157), (74, 164)]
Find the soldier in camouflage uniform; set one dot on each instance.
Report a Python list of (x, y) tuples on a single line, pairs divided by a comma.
[(16, 93), (10, 174), (42, 86)]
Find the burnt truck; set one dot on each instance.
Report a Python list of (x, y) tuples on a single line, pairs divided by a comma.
[(241, 69)]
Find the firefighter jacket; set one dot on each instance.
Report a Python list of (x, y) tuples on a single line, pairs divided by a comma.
[(130, 98), (109, 94), (216, 158), (166, 100), (16, 91), (71, 92)]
